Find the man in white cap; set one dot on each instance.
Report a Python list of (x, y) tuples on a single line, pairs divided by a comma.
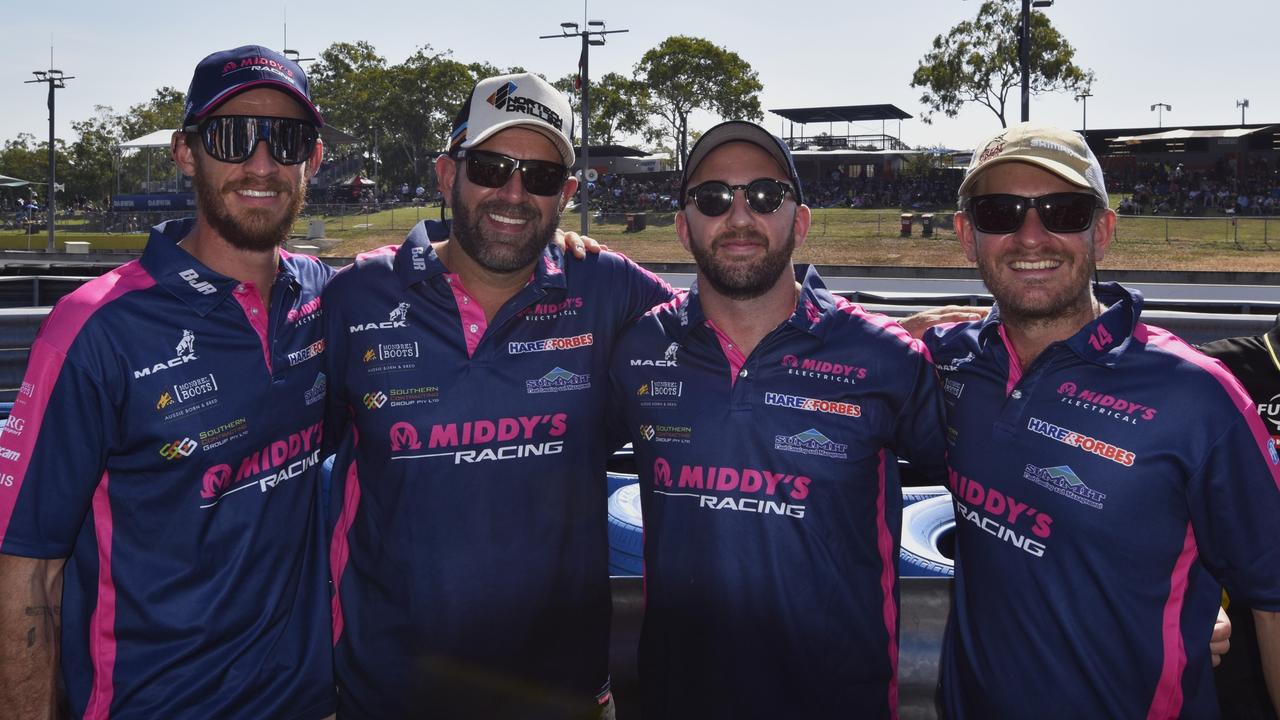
[(468, 386), (1107, 477)]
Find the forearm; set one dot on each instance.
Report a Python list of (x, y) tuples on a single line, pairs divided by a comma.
[(1268, 625), (30, 627)]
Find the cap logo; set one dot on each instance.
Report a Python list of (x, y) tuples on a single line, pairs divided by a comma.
[(993, 149), (228, 68), (1055, 147), (257, 62), (504, 98)]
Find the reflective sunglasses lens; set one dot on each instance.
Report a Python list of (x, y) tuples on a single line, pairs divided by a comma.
[(232, 138), (998, 214), (766, 196), (489, 170), (291, 141), (1066, 212), (542, 177), (713, 198)]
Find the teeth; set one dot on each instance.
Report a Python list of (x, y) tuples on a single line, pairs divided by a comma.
[(1037, 265), (257, 193), (506, 220)]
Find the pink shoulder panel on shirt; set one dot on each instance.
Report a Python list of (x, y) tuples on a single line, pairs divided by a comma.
[(48, 353), (1164, 340), (884, 322)]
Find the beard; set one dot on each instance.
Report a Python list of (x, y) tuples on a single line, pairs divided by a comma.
[(255, 230), (746, 279), (500, 254), (1038, 303)]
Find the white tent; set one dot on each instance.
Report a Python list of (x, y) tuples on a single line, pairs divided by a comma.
[(1183, 134), (159, 138)]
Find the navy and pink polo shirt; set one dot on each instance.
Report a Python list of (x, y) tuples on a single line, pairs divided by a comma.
[(1103, 498), (166, 440), (469, 550), (771, 527)]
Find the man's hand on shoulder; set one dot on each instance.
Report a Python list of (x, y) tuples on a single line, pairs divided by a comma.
[(921, 321), (578, 245)]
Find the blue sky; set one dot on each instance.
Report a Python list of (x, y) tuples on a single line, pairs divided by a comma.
[(819, 52)]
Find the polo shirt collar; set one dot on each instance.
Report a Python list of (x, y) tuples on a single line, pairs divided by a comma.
[(416, 259), (814, 303), (1119, 320), (188, 279)]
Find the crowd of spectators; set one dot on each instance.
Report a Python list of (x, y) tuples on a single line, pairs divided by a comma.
[(1162, 188)]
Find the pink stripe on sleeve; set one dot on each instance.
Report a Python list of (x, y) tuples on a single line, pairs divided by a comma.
[(102, 624), (44, 366), (888, 575), (1174, 345), (1167, 701), (340, 549)]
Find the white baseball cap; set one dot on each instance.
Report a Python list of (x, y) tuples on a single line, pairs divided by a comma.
[(1062, 152), (521, 100)]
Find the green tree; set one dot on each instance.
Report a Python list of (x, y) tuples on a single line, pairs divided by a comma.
[(351, 85), (977, 62), (685, 73), (94, 154), (620, 106)]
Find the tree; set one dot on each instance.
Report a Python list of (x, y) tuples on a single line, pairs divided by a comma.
[(93, 154), (685, 73), (619, 106), (977, 62), (351, 85)]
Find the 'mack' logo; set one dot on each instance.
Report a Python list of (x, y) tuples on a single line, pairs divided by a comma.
[(811, 442), (185, 352), (668, 358), (398, 318)]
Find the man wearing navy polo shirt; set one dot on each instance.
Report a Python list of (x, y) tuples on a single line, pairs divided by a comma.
[(761, 407), (1107, 477), (468, 369), (158, 497)]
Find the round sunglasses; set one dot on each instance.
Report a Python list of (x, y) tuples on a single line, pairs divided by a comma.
[(1064, 212), (233, 138), (764, 195), (493, 170)]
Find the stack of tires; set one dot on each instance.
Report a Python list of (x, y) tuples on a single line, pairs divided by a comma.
[(928, 526)]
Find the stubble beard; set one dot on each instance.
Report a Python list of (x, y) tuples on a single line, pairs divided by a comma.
[(748, 279), (1074, 299), (500, 255), (255, 230)]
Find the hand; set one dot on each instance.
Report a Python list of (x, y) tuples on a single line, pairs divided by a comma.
[(921, 321), (1220, 640), (577, 245)]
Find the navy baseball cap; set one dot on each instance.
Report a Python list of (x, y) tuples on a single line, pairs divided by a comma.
[(740, 131), (223, 75)]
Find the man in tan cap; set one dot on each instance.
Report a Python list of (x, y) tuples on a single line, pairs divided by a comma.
[(1108, 479)]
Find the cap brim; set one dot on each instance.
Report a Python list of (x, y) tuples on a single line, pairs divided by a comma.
[(734, 131), (1063, 171), (556, 138), (273, 84)]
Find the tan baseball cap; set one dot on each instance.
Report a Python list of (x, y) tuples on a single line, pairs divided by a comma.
[(1062, 152)]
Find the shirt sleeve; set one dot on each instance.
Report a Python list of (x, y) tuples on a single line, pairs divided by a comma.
[(53, 454), (643, 290), (1234, 502), (337, 413), (919, 433)]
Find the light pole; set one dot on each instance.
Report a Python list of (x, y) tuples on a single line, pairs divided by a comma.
[(593, 34), (1242, 104), (1024, 52), (1084, 110), (54, 78), (1160, 116)]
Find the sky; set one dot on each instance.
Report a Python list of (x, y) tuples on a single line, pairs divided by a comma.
[(814, 52)]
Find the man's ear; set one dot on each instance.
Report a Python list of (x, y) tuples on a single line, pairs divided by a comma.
[(183, 154), (682, 229), (317, 157), (966, 234), (1104, 229), (800, 225), (567, 192), (446, 175)]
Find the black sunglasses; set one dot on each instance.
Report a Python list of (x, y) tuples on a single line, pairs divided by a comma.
[(233, 138), (1064, 212), (764, 195), (493, 170)]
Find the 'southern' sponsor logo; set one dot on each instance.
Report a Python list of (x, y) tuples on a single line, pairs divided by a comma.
[(178, 448)]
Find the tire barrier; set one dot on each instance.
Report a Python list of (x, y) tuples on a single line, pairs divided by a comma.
[(626, 531), (928, 521)]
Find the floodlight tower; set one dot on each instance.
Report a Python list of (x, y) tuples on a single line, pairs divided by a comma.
[(55, 79), (1160, 116), (1242, 104), (592, 34), (1024, 52), (1084, 110)]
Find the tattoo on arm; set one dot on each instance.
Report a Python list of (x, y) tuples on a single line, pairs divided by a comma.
[(53, 613)]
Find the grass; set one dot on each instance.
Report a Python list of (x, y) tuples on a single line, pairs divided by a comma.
[(838, 236)]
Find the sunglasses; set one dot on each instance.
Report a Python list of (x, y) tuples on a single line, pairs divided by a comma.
[(1065, 212), (233, 138), (493, 170), (764, 195)]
